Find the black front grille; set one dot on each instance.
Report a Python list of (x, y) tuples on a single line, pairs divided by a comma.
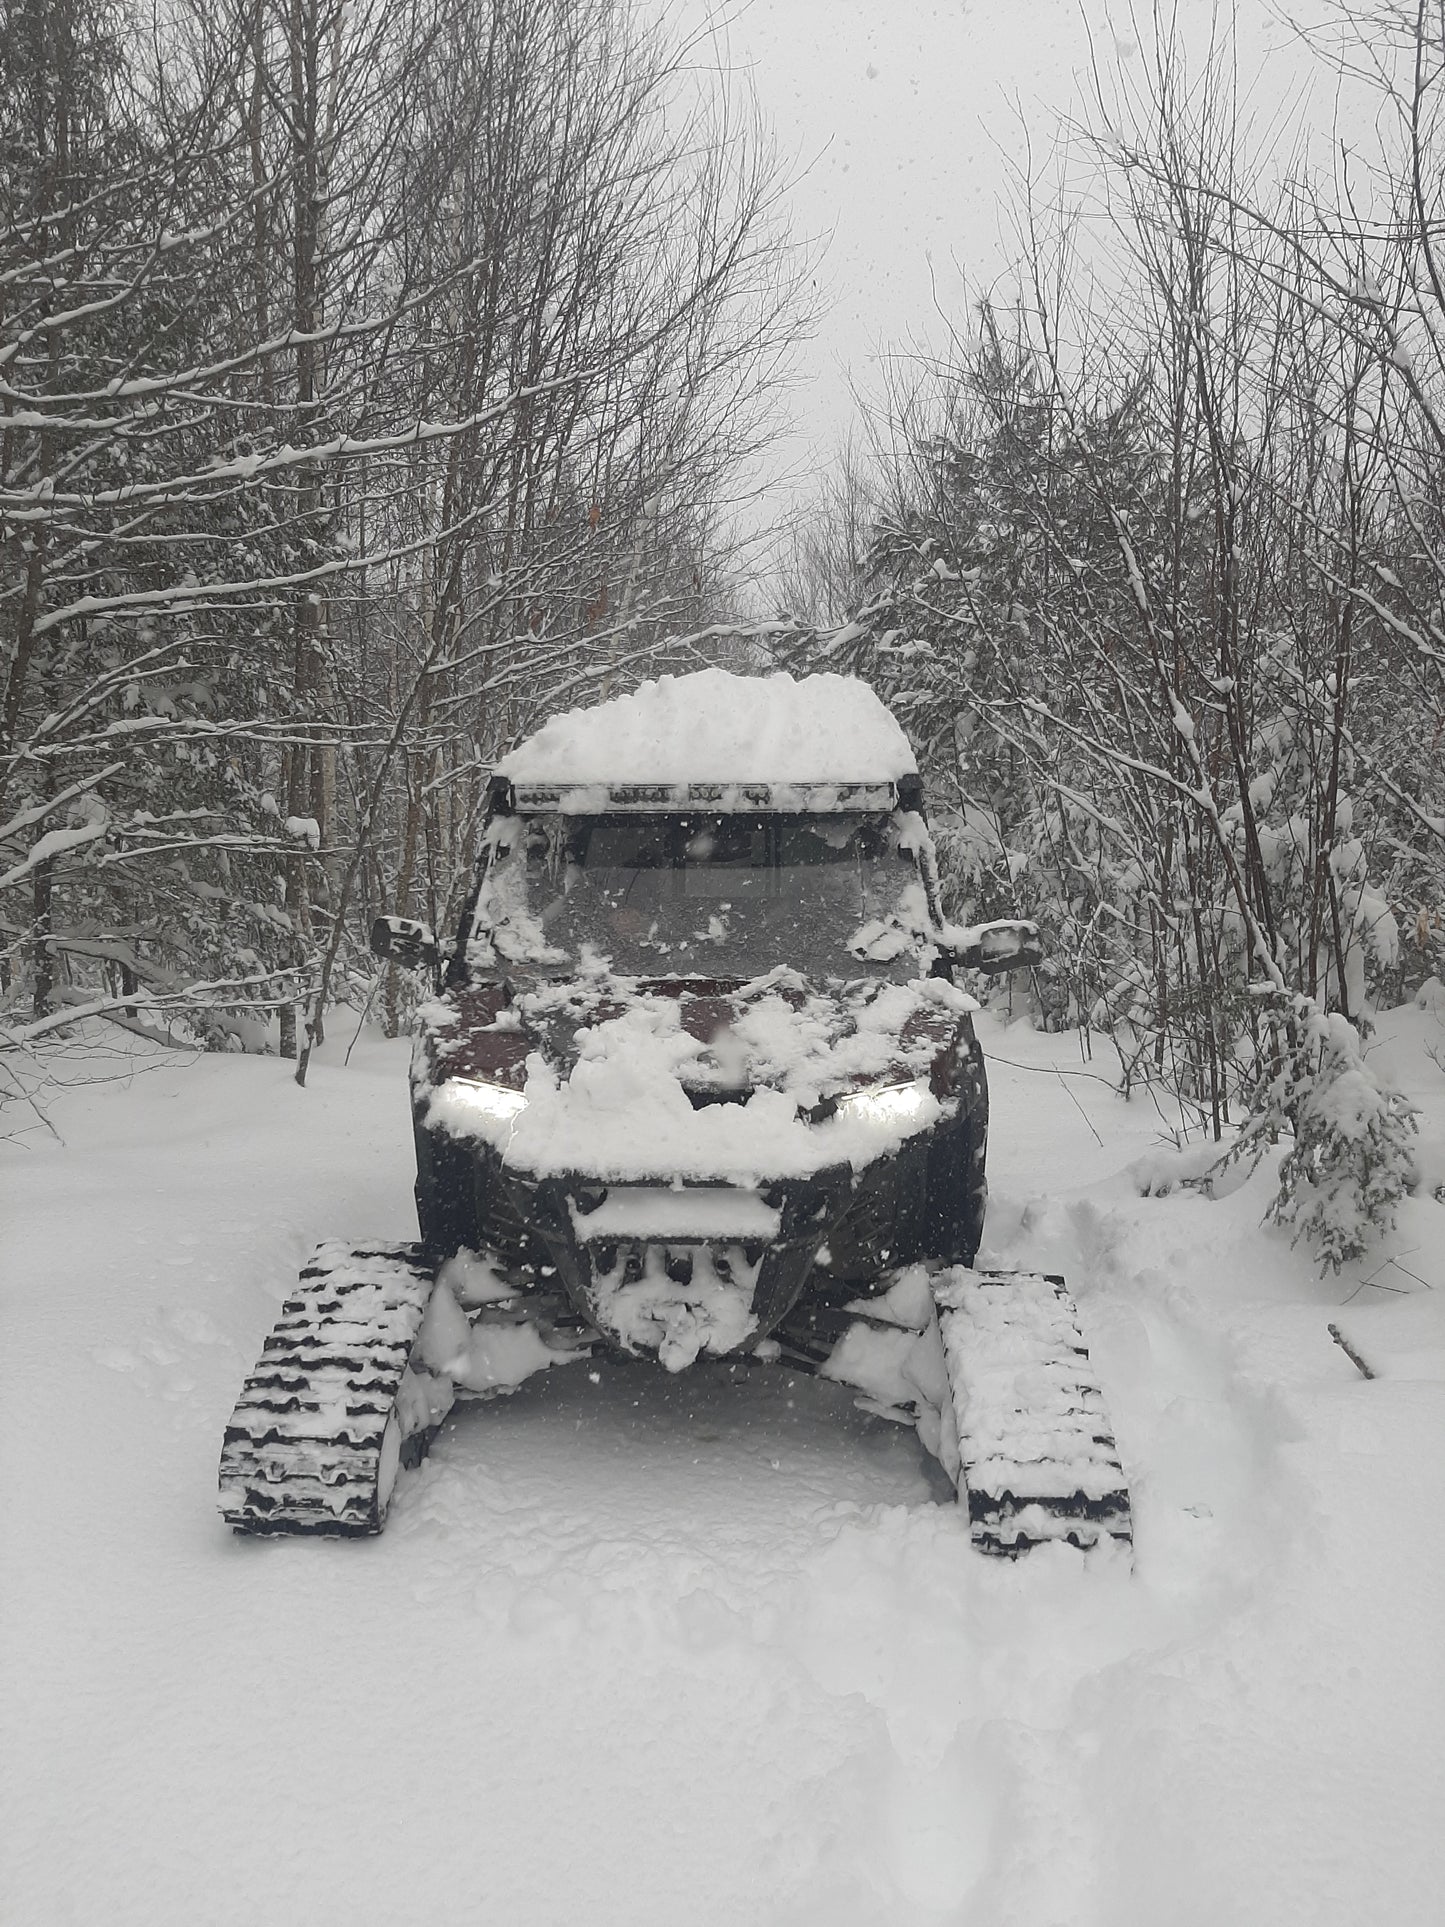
[(701, 1096)]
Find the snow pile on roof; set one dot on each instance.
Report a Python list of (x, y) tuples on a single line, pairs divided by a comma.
[(715, 727)]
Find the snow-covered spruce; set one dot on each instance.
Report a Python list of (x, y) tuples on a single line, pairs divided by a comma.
[(1352, 1158)]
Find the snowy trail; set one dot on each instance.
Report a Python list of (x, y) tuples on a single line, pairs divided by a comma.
[(708, 1649)]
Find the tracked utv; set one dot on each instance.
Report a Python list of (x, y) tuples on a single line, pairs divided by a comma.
[(695, 1080)]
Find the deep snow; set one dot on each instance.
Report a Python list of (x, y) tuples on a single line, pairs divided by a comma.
[(641, 1649)]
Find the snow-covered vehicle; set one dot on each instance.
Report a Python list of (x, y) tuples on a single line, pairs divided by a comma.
[(695, 1081)]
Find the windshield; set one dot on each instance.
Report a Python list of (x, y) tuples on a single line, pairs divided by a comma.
[(706, 895)]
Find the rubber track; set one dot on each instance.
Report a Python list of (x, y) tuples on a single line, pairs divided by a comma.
[(303, 1450), (1039, 1461)]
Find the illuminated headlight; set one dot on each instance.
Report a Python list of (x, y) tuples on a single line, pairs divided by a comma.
[(486, 1103), (894, 1105)]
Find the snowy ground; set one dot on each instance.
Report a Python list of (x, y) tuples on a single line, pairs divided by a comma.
[(708, 1649)]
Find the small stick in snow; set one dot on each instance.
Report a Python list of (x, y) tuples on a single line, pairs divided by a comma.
[(1082, 1112), (1350, 1353), (361, 1021)]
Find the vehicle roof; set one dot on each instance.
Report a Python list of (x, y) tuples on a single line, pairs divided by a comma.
[(715, 740)]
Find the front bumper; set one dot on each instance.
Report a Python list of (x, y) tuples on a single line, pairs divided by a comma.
[(837, 1226), (607, 1239)]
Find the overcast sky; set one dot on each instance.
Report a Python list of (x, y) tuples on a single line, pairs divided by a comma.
[(901, 118)]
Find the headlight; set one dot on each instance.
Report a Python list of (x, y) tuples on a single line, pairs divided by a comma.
[(486, 1103), (896, 1105)]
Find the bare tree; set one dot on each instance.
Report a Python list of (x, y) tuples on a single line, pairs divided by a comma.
[(1155, 581), (369, 376)]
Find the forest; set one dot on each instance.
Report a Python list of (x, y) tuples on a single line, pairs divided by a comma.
[(372, 376), (378, 379)]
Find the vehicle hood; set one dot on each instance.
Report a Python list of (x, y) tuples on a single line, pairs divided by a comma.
[(715, 1079)]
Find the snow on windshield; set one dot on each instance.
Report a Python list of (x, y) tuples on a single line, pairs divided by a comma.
[(716, 727), (706, 895)]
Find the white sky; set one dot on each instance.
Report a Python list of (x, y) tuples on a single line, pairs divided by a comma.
[(902, 118)]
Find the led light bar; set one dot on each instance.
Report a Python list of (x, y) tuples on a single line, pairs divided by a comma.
[(594, 799)]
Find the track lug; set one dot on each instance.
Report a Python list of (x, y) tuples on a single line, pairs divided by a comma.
[(1037, 1458), (322, 1425)]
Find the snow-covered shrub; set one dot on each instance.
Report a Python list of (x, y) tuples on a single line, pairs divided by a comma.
[(1353, 1154)]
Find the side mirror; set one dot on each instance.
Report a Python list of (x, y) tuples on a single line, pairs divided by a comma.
[(401, 940), (995, 947)]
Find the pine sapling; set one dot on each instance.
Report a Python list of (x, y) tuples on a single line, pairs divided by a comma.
[(1352, 1156)]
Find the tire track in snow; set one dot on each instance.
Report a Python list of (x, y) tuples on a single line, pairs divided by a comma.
[(1213, 1504)]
